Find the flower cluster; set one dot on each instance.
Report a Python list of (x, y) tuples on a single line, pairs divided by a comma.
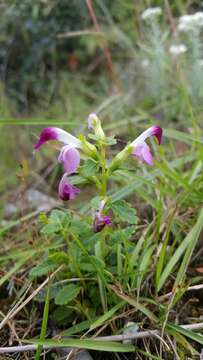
[(191, 23), (151, 13), (69, 156), (176, 50)]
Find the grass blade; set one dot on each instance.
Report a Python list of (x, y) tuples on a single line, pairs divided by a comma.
[(192, 237), (89, 344), (44, 324)]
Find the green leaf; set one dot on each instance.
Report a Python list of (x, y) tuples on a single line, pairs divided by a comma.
[(43, 269), (60, 216), (124, 211), (89, 344), (56, 221), (63, 315), (67, 294), (59, 257), (122, 234), (89, 168)]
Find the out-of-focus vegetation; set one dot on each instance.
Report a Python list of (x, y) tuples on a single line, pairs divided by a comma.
[(135, 70)]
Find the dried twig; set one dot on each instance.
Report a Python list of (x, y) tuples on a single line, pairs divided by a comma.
[(71, 34), (170, 17), (104, 45), (190, 288)]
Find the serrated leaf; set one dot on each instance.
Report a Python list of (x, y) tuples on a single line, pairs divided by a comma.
[(67, 294), (124, 211), (59, 257), (56, 221), (60, 216), (89, 168), (50, 229), (43, 269)]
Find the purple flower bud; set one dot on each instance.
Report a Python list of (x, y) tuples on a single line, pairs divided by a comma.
[(92, 121), (100, 221)]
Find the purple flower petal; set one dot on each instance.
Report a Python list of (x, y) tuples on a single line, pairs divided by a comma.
[(66, 190), (155, 130), (99, 223), (46, 135), (143, 153), (70, 158), (53, 133)]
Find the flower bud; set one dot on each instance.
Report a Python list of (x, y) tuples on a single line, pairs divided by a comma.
[(95, 124), (120, 158), (88, 148)]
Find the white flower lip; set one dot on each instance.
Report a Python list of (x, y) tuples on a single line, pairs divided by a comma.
[(151, 13)]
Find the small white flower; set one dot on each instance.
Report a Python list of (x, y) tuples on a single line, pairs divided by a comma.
[(192, 22), (151, 13), (177, 49)]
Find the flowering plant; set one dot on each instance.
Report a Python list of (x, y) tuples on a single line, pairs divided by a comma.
[(70, 157), (93, 248)]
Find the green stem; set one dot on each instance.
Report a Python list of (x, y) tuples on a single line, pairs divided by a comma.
[(102, 288), (73, 259), (104, 171)]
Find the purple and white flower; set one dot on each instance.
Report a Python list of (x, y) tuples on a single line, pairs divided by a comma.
[(99, 220), (69, 156), (140, 147)]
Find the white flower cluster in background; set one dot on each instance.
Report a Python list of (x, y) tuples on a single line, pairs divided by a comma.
[(192, 22), (151, 13), (176, 50)]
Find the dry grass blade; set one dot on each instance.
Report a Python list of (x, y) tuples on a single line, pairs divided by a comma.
[(17, 308)]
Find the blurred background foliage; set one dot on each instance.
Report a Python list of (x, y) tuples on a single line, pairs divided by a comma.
[(41, 69), (54, 66)]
